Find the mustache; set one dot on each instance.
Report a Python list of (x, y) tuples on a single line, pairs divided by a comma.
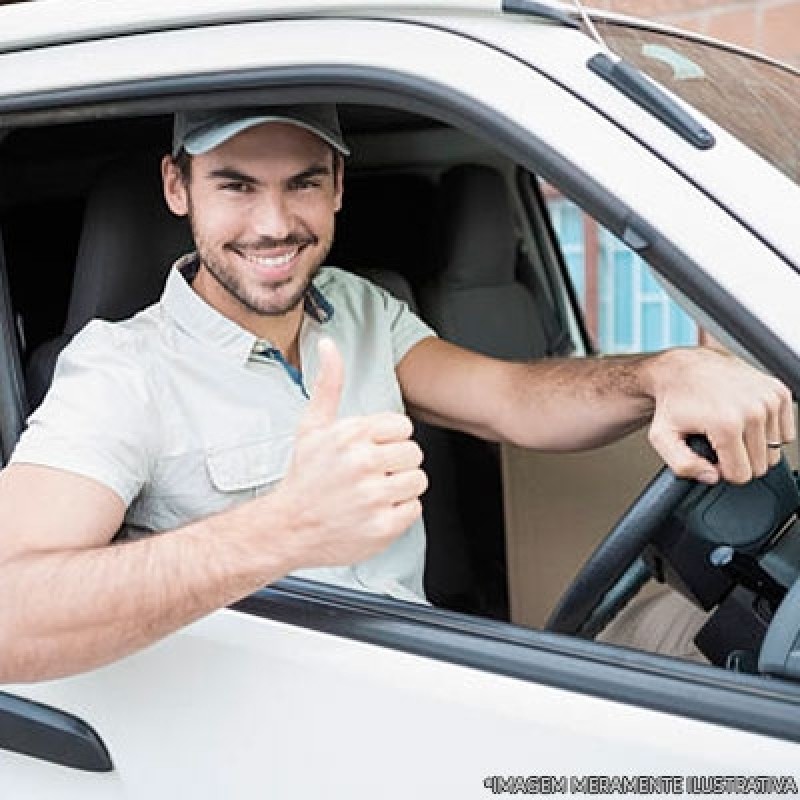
[(269, 243)]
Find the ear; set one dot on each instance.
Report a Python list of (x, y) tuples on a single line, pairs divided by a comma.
[(175, 189), (338, 184)]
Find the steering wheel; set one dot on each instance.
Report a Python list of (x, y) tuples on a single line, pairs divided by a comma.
[(615, 572)]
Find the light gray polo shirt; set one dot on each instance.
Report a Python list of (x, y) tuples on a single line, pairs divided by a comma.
[(184, 413)]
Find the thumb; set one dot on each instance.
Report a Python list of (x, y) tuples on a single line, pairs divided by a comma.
[(326, 394)]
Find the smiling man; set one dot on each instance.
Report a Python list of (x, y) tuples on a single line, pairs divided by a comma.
[(255, 417)]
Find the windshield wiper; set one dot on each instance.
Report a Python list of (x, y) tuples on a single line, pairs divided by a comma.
[(626, 78)]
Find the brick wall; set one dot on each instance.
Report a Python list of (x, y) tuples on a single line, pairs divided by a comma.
[(769, 26)]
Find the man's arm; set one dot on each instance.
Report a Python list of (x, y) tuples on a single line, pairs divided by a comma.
[(575, 404), (69, 601)]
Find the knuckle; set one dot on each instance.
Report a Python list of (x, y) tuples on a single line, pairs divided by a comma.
[(755, 415), (410, 512), (347, 430), (773, 404), (781, 391), (362, 459), (728, 426), (405, 424)]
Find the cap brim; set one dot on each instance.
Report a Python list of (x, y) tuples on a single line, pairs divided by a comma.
[(201, 142)]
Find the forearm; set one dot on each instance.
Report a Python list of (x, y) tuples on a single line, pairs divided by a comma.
[(582, 403), (64, 612), (574, 404)]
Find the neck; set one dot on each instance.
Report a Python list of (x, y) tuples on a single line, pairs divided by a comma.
[(281, 330)]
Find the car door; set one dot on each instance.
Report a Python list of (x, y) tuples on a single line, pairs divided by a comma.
[(305, 690), (743, 94)]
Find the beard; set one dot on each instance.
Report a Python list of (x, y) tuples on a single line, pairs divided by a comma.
[(258, 299)]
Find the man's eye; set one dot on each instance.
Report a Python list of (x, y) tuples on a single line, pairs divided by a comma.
[(237, 187), (306, 184)]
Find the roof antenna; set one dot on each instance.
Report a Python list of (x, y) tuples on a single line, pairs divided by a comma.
[(587, 21)]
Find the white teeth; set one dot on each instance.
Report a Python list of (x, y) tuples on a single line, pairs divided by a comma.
[(266, 261)]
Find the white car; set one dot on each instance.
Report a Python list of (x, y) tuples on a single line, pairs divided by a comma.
[(466, 119)]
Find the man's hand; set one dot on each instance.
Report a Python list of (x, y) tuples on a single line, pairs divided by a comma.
[(740, 410), (354, 484)]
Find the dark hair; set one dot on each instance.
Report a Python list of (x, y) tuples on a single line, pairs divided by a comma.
[(183, 161)]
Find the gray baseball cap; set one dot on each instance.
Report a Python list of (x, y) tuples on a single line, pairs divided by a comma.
[(197, 132)]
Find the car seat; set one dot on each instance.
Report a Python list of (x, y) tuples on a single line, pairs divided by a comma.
[(478, 299)]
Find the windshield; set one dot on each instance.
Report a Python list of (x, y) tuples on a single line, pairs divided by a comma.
[(755, 100)]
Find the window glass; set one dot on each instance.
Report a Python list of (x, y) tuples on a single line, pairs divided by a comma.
[(625, 308), (756, 100)]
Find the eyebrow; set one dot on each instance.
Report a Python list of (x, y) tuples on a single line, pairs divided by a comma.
[(231, 174), (312, 172)]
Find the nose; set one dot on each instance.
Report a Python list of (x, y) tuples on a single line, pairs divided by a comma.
[(271, 216)]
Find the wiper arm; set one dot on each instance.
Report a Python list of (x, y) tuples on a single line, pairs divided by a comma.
[(647, 95)]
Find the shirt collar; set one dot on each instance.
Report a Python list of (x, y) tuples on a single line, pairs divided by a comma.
[(202, 321)]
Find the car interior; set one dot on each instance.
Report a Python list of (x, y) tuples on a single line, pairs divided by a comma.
[(460, 233), (440, 232)]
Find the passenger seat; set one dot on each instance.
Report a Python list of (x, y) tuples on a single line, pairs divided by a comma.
[(477, 299)]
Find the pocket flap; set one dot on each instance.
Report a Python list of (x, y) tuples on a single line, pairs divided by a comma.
[(250, 465)]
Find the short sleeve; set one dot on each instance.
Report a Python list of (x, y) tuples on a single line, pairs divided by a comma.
[(97, 419), (407, 329)]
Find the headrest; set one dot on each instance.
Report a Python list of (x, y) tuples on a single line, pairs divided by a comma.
[(386, 221), (478, 237), (128, 242)]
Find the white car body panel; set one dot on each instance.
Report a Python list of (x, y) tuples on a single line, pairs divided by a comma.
[(31, 25), (219, 707), (239, 706)]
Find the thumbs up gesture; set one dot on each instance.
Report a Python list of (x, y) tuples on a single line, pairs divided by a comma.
[(327, 391), (354, 484)]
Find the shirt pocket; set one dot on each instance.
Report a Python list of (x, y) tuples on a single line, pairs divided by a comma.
[(194, 484), (249, 468)]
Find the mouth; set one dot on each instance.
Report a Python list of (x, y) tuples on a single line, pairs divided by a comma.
[(276, 264)]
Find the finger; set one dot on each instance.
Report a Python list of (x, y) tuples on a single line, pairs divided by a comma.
[(406, 514), (323, 404), (755, 441), (774, 435), (680, 458), (389, 427), (401, 487), (787, 418), (734, 459), (400, 456)]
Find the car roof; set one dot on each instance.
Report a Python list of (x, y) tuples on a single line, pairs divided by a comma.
[(51, 22)]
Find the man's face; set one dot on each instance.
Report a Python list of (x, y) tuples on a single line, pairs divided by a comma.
[(261, 207)]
